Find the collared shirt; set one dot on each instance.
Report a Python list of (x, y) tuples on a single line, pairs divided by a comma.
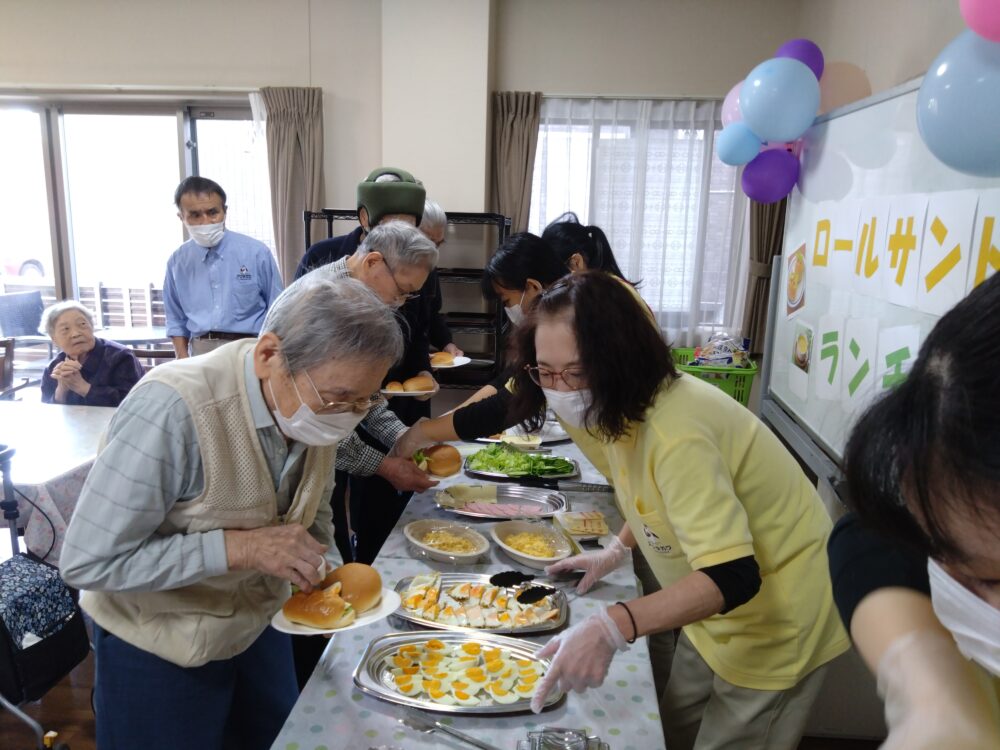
[(355, 455), (153, 460), (228, 287), (110, 368)]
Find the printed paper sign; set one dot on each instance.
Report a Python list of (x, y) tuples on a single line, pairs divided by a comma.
[(897, 351), (868, 269), (828, 358), (800, 355), (859, 356), (845, 236), (901, 260), (795, 281), (822, 241), (944, 260), (985, 255)]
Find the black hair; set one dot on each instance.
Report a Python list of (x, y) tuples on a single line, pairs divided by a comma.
[(622, 353), (521, 257), (932, 445), (198, 186), (567, 236)]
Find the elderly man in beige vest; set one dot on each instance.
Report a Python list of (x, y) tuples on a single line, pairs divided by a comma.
[(206, 500)]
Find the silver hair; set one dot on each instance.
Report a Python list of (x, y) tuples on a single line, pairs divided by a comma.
[(389, 177), (434, 217), (319, 319), (52, 314), (401, 244)]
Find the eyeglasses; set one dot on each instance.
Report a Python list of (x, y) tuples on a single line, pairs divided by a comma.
[(401, 295), (574, 379), (361, 406)]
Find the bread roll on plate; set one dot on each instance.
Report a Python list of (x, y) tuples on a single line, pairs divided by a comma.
[(419, 383), (442, 359), (323, 609), (394, 386), (359, 585)]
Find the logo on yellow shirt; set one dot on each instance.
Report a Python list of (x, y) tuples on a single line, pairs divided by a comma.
[(654, 541)]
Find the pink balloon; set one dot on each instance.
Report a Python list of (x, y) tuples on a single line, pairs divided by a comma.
[(731, 105), (983, 17), (842, 83)]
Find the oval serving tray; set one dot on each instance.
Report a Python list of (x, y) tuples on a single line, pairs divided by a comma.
[(499, 475), (549, 501)]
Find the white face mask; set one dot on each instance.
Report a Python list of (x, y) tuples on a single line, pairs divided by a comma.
[(570, 406), (974, 624), (514, 312), (306, 426), (206, 235)]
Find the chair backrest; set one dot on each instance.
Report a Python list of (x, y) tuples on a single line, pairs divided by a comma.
[(6, 363), (20, 313)]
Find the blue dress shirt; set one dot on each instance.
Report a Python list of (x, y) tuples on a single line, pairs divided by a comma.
[(228, 287), (110, 368)]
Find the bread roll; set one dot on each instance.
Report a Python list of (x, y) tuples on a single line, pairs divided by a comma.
[(443, 460), (323, 609), (360, 585), (439, 359), (394, 386), (419, 383)]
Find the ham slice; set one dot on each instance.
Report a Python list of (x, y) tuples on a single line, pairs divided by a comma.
[(507, 510)]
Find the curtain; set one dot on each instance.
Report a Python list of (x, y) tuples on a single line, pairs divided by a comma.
[(515, 133), (295, 162), (644, 171), (767, 226)]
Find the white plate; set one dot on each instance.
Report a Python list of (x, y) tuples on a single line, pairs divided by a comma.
[(389, 604), (397, 394), (458, 362), (502, 530), (416, 530)]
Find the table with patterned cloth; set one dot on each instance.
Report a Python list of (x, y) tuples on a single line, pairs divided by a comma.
[(331, 713), (55, 447)]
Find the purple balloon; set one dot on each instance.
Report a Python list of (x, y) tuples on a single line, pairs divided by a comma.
[(770, 176), (805, 51)]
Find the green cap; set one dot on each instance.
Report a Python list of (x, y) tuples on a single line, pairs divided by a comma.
[(401, 196)]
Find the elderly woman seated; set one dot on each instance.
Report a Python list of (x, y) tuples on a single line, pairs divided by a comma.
[(89, 371)]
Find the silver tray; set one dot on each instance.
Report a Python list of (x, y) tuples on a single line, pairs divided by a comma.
[(450, 579), (550, 501), (373, 677), (500, 475), (550, 433)]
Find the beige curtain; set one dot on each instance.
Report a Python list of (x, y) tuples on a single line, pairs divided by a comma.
[(767, 225), (515, 135), (295, 163)]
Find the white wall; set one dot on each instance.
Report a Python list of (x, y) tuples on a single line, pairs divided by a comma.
[(893, 41), (636, 47), (435, 96)]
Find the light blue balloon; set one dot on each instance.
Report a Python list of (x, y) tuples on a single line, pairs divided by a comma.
[(737, 145), (779, 99), (958, 107)]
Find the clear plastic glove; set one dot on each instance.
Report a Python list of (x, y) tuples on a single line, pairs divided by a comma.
[(410, 441), (432, 394), (932, 696), (597, 564), (582, 657)]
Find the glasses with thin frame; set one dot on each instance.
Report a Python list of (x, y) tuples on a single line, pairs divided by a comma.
[(361, 406), (401, 295), (572, 377)]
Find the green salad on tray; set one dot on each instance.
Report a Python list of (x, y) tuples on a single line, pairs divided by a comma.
[(502, 459)]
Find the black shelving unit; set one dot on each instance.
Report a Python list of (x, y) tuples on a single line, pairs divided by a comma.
[(485, 364)]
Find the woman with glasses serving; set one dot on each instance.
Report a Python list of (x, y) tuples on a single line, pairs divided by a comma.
[(208, 497), (731, 527)]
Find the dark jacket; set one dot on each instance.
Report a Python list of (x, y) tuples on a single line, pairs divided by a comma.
[(110, 368)]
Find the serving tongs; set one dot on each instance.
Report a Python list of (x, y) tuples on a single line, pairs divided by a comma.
[(541, 588)]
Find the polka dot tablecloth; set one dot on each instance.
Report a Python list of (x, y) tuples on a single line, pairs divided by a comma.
[(331, 713)]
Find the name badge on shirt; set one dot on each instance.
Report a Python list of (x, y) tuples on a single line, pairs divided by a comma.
[(244, 274)]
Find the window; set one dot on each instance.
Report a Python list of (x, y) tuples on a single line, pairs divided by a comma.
[(644, 171)]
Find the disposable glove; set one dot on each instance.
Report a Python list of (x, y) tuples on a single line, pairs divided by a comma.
[(597, 564), (582, 657), (410, 441)]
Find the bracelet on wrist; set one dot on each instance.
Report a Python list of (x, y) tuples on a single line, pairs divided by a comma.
[(635, 629)]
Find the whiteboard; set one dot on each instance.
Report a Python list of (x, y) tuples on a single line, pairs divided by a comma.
[(859, 165)]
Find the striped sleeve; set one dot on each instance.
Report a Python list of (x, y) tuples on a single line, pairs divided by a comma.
[(151, 461)]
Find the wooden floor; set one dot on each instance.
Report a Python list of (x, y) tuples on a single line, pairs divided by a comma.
[(66, 709)]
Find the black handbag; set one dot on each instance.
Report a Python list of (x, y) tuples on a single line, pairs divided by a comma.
[(42, 632)]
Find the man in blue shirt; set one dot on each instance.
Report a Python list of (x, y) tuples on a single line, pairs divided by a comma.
[(219, 284)]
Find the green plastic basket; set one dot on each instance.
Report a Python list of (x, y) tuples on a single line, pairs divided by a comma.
[(735, 381)]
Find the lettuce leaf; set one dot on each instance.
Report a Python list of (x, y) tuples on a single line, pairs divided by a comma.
[(502, 459)]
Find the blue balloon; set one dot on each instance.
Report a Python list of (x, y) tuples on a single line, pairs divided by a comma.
[(737, 145), (779, 99), (958, 107)]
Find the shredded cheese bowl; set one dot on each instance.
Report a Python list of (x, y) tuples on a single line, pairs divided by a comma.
[(531, 543), (446, 541)]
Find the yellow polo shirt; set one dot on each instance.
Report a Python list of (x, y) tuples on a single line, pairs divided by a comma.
[(701, 482)]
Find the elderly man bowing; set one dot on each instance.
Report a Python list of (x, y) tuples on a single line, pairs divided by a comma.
[(206, 500)]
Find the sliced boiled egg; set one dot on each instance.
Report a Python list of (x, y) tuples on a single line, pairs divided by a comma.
[(495, 667), (460, 591), (434, 645), (502, 695), (472, 649), (525, 691), (464, 699), (407, 686), (442, 696), (415, 601)]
